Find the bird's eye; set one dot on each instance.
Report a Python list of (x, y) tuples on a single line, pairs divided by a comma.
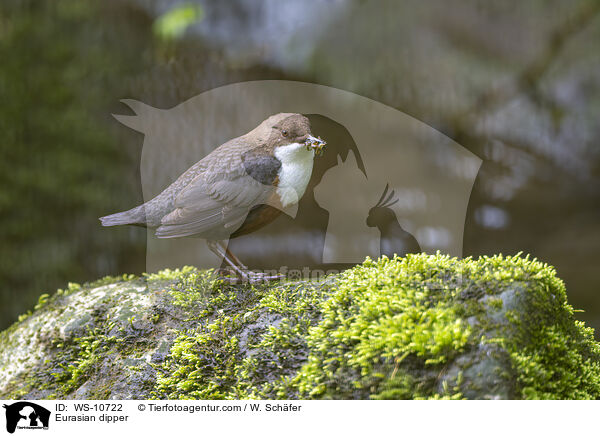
[(284, 132)]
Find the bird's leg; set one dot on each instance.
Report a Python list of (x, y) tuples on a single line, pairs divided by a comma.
[(217, 248), (238, 267), (232, 256)]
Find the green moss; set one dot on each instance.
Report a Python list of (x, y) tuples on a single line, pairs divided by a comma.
[(86, 352), (207, 361), (42, 300), (375, 320), (388, 329), (169, 274), (419, 327)]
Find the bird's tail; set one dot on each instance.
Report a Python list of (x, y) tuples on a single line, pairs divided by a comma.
[(137, 215)]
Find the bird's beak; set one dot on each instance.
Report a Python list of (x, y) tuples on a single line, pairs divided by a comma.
[(316, 144)]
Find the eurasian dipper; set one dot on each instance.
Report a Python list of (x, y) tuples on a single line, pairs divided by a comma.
[(238, 188)]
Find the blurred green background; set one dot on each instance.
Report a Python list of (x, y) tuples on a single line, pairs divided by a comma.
[(517, 83)]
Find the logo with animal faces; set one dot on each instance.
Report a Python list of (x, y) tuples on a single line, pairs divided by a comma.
[(25, 415), (384, 183)]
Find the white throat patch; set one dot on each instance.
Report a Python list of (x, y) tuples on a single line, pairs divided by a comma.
[(295, 172)]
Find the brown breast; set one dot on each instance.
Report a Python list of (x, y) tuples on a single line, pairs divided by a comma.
[(259, 216)]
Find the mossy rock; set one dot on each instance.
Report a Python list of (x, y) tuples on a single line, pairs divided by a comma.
[(423, 326)]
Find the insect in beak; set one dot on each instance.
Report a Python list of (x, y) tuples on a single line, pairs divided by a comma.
[(316, 144)]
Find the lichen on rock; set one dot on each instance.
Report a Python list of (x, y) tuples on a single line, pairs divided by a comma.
[(422, 326)]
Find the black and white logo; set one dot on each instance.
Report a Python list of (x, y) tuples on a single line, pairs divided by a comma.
[(26, 415)]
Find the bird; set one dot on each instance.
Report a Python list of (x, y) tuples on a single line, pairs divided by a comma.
[(238, 188), (394, 239)]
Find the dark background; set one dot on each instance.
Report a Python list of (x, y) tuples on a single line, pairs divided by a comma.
[(517, 83)]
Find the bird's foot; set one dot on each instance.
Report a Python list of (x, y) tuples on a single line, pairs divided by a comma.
[(247, 276), (258, 277)]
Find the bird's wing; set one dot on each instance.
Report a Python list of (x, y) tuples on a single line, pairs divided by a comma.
[(216, 201)]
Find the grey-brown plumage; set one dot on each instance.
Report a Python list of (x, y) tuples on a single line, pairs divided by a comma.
[(212, 198)]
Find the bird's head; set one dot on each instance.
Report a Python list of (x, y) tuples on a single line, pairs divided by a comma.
[(287, 129), (382, 213)]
